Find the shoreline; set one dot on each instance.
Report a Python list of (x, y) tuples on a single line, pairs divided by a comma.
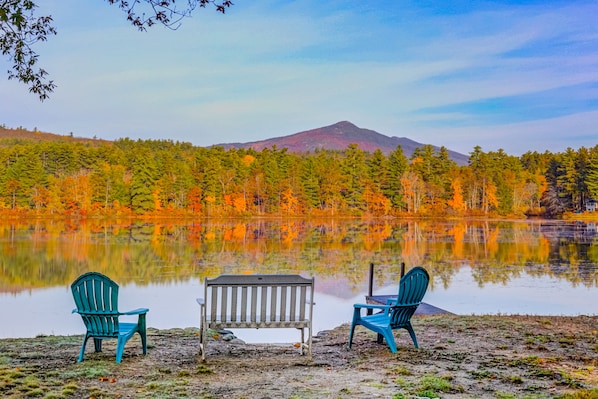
[(487, 356)]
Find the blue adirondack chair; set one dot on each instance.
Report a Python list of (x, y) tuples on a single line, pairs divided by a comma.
[(397, 312), (96, 298)]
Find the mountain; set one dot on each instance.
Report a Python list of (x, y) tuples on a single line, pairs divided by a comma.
[(338, 137)]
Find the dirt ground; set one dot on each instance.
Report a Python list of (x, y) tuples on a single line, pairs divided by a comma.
[(459, 357)]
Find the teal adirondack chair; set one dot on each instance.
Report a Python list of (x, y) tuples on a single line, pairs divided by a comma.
[(96, 298), (397, 312)]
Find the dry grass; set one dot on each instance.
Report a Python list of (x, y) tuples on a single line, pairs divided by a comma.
[(460, 357)]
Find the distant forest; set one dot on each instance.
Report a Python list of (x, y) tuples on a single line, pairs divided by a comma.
[(166, 178)]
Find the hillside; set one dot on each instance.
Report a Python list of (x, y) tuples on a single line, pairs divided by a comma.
[(19, 134), (338, 137)]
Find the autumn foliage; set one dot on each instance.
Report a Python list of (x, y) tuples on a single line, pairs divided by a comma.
[(160, 177)]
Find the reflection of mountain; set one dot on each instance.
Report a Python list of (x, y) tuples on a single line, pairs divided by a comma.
[(343, 288), (339, 287), (13, 289)]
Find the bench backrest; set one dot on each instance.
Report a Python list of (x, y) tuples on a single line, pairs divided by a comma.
[(257, 301)]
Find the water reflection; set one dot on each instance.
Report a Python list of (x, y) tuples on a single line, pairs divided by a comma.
[(167, 258)]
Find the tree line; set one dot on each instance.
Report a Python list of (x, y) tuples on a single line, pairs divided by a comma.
[(163, 177)]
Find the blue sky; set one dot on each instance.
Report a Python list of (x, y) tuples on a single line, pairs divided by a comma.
[(516, 75)]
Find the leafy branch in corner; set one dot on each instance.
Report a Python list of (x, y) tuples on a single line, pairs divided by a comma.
[(20, 29)]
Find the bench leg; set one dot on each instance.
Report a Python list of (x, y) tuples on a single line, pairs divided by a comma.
[(202, 344), (303, 343), (309, 341)]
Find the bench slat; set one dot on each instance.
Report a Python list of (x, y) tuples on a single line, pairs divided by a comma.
[(264, 302), (243, 303), (302, 300), (253, 309), (234, 299), (283, 304), (273, 298), (214, 303), (293, 304)]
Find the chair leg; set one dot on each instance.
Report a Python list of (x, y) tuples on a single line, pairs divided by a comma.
[(120, 348), (351, 335), (390, 340), (141, 328), (143, 341), (409, 328), (82, 352), (97, 343)]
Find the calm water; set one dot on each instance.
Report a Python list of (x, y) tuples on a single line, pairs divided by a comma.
[(477, 267)]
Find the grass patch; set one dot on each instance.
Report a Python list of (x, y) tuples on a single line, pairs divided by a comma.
[(432, 385), (202, 369), (566, 342), (515, 379), (401, 370), (505, 395), (88, 369), (581, 394), (69, 389), (526, 361), (165, 389), (480, 375)]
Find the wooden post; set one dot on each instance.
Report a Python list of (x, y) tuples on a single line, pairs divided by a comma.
[(371, 285)]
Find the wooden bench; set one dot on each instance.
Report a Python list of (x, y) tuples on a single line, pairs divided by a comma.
[(257, 301)]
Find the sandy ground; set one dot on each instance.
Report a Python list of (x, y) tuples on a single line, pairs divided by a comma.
[(459, 357)]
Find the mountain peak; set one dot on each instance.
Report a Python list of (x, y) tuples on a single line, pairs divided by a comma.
[(338, 137), (344, 125)]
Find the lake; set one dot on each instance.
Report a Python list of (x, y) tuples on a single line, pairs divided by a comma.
[(476, 266)]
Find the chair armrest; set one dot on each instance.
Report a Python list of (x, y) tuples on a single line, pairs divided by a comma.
[(136, 311), (368, 306), (74, 311), (391, 302)]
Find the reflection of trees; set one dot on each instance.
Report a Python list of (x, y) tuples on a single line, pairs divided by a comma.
[(53, 253)]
